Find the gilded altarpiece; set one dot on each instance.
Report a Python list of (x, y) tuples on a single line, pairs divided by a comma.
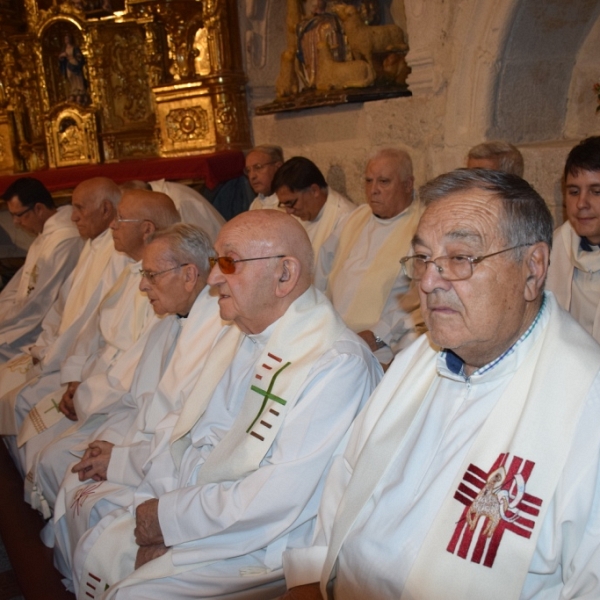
[(86, 81)]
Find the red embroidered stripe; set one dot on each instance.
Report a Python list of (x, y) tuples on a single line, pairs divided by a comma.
[(477, 471), (532, 499), (90, 585), (266, 424), (271, 410), (467, 490), (88, 594), (274, 357), (94, 577), (260, 437), (258, 376), (531, 510), (267, 366), (476, 481), (466, 500)]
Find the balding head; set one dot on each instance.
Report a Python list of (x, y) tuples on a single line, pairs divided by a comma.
[(259, 292), (140, 213), (94, 206)]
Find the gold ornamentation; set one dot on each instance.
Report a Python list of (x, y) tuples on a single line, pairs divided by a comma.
[(185, 124)]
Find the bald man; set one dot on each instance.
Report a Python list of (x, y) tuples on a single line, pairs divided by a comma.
[(103, 356), (235, 478)]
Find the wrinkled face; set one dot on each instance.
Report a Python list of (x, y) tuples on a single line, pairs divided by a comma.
[(386, 193), (166, 292), (304, 204), (128, 236), (482, 163), (25, 218), (583, 203), (260, 169), (246, 296), (87, 215), (481, 317)]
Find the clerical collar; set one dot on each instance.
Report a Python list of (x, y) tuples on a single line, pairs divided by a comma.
[(586, 245), (456, 365)]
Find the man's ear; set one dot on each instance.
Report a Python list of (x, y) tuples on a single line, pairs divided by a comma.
[(287, 273), (536, 262), (148, 228), (190, 276)]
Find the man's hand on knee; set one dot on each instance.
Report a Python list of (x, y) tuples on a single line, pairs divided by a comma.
[(147, 527), (95, 461), (66, 405), (147, 553)]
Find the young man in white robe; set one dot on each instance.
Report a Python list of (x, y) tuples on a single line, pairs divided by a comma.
[(235, 478), (262, 163), (94, 208), (302, 192), (359, 264), (100, 365), (574, 275), (473, 471), (175, 269), (28, 296)]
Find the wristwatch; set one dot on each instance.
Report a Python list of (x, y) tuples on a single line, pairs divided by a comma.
[(379, 342)]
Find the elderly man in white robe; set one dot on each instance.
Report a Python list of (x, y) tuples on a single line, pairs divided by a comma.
[(94, 208), (262, 163), (473, 471), (359, 264), (574, 275), (235, 478), (193, 207), (28, 296), (303, 193), (175, 269), (100, 366)]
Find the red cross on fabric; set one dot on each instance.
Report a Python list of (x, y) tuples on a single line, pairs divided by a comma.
[(483, 500)]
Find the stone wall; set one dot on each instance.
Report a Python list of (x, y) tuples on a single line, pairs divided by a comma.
[(521, 70)]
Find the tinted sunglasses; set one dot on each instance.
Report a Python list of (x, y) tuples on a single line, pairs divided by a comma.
[(227, 264)]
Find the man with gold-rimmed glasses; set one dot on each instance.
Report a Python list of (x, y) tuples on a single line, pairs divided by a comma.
[(262, 163), (474, 470)]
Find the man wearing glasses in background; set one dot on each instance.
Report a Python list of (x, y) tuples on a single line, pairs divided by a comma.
[(51, 257), (261, 164), (303, 193), (473, 470), (235, 478)]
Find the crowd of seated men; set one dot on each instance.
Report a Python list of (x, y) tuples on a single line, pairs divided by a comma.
[(396, 399)]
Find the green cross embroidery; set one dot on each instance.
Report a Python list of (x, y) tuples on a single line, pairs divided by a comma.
[(268, 395), (54, 406)]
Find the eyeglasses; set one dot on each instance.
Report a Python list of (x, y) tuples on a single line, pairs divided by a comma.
[(288, 204), (227, 264), (118, 220), (257, 168), (20, 214), (152, 275), (450, 268)]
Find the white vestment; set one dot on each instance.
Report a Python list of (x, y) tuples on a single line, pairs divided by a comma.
[(574, 278), (358, 284), (383, 543), (336, 207), (33, 290), (173, 357), (229, 535), (261, 201), (193, 207), (103, 358)]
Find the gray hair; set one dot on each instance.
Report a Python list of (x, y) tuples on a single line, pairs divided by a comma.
[(275, 153), (402, 159), (507, 157), (526, 218), (187, 244)]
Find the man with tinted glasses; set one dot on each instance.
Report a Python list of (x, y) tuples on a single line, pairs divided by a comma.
[(51, 257), (473, 472), (262, 163), (175, 269), (574, 275), (235, 478), (99, 367), (303, 193)]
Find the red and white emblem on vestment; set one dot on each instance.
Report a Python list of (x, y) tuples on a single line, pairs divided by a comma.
[(495, 502)]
